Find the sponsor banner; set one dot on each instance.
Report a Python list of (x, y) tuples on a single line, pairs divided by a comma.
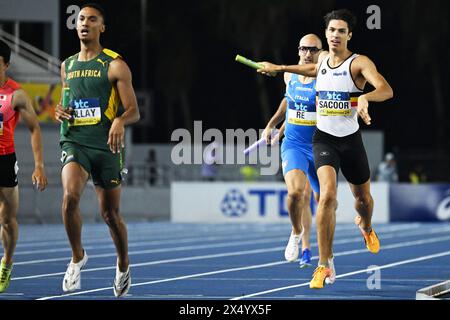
[(255, 202), (44, 97), (423, 202)]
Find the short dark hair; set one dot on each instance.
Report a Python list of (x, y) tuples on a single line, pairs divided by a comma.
[(5, 51), (97, 7), (341, 14)]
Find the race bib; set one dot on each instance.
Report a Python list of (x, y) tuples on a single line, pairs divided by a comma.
[(86, 111), (334, 103), (302, 118)]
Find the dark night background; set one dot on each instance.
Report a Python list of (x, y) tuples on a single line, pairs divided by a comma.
[(189, 66)]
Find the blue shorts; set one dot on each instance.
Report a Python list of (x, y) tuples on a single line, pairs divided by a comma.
[(295, 155)]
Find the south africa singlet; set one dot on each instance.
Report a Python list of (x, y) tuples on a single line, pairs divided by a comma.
[(94, 99)]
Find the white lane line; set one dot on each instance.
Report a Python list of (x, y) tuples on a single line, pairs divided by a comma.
[(180, 231), (227, 244), (155, 243), (178, 241), (270, 264), (157, 240), (162, 250), (171, 240), (237, 231), (390, 265), (143, 264), (172, 279)]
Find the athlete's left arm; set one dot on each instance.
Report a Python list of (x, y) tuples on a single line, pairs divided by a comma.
[(382, 92), (120, 75), (23, 105)]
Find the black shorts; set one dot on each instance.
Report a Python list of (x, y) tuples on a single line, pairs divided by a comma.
[(347, 153), (8, 170)]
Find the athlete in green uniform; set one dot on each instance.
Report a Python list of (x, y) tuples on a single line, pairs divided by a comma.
[(100, 83)]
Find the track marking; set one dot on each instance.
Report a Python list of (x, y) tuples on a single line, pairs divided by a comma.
[(390, 265), (239, 233), (270, 264), (221, 245)]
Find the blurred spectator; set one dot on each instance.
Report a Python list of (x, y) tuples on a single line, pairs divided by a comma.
[(387, 169), (249, 173), (417, 175), (209, 165), (152, 167)]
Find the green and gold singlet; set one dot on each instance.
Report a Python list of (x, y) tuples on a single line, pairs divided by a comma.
[(94, 99)]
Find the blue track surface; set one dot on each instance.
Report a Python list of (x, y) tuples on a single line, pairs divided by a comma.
[(218, 261)]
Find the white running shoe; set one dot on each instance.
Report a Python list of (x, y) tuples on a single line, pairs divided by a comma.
[(122, 282), (332, 278), (292, 249), (72, 278)]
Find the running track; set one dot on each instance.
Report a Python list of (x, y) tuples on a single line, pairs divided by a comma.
[(230, 261)]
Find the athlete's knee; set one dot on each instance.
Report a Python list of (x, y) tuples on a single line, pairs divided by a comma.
[(296, 194), (111, 216), (71, 201), (8, 220), (328, 199)]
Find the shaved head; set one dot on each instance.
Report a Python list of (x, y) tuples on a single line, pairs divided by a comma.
[(309, 48), (310, 40)]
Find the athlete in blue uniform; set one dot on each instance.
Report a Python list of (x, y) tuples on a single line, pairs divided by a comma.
[(298, 108)]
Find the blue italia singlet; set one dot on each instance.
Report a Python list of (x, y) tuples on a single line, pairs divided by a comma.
[(296, 149), (301, 110)]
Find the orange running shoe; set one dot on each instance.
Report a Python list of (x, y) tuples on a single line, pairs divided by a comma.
[(320, 274), (370, 238)]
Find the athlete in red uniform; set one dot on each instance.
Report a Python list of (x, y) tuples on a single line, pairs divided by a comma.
[(14, 103)]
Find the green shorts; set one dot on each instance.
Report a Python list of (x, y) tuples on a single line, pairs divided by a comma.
[(102, 165)]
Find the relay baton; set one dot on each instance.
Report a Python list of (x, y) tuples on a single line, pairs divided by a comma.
[(65, 104), (261, 142), (248, 62)]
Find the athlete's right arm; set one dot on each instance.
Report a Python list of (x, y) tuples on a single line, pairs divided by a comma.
[(60, 112), (270, 69), (307, 70)]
